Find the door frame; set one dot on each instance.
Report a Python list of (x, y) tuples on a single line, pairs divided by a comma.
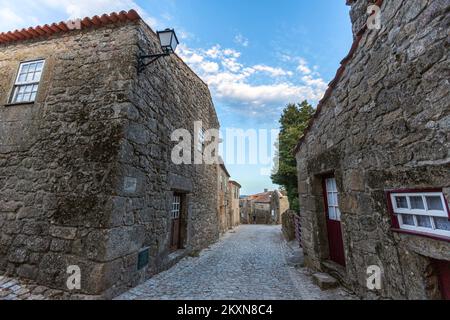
[(337, 257), (443, 274), (178, 245)]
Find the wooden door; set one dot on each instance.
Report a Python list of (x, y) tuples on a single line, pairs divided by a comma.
[(443, 271), (175, 222), (333, 216)]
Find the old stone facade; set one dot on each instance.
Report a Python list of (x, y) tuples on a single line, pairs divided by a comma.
[(279, 204), (263, 208), (382, 127), (233, 203), (223, 194), (86, 176)]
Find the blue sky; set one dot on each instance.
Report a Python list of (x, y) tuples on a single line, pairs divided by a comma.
[(255, 55)]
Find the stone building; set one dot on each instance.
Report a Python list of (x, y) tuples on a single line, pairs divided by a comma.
[(263, 208), (233, 203), (279, 204), (86, 176), (224, 217), (245, 207), (374, 163)]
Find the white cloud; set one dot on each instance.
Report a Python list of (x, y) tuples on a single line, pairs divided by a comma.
[(9, 18), (247, 86), (241, 40), (210, 67), (304, 69), (274, 72)]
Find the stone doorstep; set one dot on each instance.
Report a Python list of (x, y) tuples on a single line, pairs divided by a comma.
[(325, 281), (334, 269)]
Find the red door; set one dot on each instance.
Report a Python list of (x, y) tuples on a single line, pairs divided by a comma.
[(333, 215), (175, 223), (443, 271)]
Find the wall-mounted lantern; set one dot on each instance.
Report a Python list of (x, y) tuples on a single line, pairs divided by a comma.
[(168, 41)]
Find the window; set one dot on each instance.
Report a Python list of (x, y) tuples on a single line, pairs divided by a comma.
[(332, 198), (424, 212), (201, 139), (27, 82), (175, 214)]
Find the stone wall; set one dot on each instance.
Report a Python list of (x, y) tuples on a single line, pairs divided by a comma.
[(280, 204), (245, 210), (263, 213), (288, 225), (233, 201), (223, 195), (85, 172), (385, 126)]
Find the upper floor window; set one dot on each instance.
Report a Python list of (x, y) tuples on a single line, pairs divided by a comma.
[(201, 139), (27, 82), (424, 212)]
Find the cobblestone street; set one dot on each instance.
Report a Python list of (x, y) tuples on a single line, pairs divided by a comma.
[(247, 263)]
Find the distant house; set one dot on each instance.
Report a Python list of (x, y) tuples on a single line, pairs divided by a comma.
[(224, 217), (228, 208), (279, 204), (263, 208), (234, 189)]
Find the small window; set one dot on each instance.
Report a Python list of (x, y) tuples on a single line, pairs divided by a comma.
[(27, 82), (175, 213), (201, 139), (424, 212), (332, 199)]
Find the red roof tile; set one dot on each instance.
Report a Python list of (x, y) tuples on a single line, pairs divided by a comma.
[(48, 30), (264, 197)]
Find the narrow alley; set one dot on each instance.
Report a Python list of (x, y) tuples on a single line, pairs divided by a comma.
[(248, 263)]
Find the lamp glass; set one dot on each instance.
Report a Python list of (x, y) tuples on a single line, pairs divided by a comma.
[(175, 42), (168, 40), (165, 38)]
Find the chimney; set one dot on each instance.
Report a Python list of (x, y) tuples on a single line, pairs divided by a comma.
[(266, 190)]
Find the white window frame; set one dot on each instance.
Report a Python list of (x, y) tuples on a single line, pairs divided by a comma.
[(399, 212), (176, 206), (201, 139), (330, 192), (18, 84)]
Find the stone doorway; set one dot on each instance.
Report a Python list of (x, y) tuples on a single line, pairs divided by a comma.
[(178, 225)]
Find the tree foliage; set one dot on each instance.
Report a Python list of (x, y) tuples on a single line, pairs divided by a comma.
[(293, 122)]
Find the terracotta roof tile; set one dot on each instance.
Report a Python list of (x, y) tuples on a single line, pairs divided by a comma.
[(48, 30), (264, 197)]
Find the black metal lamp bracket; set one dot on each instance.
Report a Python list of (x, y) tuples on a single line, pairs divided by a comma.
[(153, 57)]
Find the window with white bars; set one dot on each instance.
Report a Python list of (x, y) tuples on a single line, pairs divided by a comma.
[(332, 199), (176, 202), (27, 81), (422, 211), (201, 139)]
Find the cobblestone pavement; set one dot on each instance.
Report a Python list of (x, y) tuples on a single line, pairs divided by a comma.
[(248, 263), (14, 289)]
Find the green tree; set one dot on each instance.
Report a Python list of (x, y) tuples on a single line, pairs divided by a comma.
[(293, 122)]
